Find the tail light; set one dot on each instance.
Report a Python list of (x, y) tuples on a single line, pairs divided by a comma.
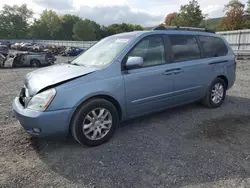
[(235, 62)]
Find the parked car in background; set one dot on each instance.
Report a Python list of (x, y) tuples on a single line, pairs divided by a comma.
[(73, 51), (16, 46), (55, 50), (33, 59), (4, 50), (125, 76), (13, 46), (37, 48), (26, 47), (7, 43), (2, 60)]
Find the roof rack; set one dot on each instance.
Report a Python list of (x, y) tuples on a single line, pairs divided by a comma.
[(183, 28)]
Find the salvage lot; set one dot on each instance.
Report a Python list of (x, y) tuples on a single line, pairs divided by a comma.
[(188, 146)]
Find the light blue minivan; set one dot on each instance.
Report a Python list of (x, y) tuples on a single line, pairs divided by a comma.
[(125, 76)]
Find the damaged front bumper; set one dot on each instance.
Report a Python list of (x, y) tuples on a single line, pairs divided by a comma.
[(41, 124)]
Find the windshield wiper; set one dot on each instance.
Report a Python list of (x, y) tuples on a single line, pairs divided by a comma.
[(76, 64), (70, 62)]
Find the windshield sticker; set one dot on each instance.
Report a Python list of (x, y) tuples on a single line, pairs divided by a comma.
[(122, 40)]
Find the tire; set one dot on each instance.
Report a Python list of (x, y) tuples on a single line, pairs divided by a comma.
[(35, 63), (82, 119), (209, 99), (14, 65)]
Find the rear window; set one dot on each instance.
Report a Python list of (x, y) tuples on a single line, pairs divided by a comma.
[(185, 48), (213, 46)]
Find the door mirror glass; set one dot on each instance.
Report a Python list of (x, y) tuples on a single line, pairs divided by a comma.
[(134, 62)]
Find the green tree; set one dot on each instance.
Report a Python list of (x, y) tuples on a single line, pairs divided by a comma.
[(103, 32), (67, 24), (114, 29), (84, 30), (121, 28), (14, 25), (220, 26), (36, 30), (48, 26), (138, 28), (97, 28), (14, 21), (248, 8), (190, 15), (247, 16)]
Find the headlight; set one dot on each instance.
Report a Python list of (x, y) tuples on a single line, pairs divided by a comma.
[(41, 101)]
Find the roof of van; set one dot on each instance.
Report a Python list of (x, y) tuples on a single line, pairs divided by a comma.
[(171, 31)]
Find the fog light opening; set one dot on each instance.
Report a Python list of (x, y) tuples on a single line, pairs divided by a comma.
[(36, 130)]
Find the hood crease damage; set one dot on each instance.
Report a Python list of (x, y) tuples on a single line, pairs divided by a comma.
[(45, 78)]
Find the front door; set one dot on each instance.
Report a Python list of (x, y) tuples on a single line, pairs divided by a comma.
[(149, 88)]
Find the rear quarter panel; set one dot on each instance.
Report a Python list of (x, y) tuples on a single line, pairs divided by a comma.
[(226, 68)]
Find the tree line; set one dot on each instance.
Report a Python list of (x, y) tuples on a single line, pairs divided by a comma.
[(16, 22), (236, 16)]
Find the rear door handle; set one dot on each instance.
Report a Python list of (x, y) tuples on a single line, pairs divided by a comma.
[(169, 72), (178, 71)]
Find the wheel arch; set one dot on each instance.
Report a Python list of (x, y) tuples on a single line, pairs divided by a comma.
[(34, 59), (224, 78), (106, 97)]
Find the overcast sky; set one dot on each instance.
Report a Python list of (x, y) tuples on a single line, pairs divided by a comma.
[(106, 12)]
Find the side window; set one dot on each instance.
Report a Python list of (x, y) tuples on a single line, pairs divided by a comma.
[(185, 48), (151, 49), (213, 46)]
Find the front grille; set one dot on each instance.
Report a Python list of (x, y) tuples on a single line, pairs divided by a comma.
[(22, 97)]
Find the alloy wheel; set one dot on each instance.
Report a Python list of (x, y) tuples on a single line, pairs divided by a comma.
[(97, 124)]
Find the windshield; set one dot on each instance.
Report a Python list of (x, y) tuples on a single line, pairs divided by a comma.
[(104, 52)]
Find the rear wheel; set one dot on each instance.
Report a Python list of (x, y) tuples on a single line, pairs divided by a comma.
[(35, 63), (94, 122), (216, 94)]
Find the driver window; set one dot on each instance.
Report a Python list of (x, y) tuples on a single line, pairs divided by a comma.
[(151, 49)]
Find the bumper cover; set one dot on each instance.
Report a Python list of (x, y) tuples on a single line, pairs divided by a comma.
[(51, 123)]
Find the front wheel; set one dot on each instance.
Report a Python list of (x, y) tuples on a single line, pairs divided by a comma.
[(94, 122), (35, 63), (216, 94)]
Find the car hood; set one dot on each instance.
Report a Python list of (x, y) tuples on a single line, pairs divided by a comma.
[(37, 80)]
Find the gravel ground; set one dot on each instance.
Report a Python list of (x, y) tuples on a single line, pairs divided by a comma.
[(188, 146)]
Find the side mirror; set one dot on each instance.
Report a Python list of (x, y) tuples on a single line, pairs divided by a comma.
[(134, 62)]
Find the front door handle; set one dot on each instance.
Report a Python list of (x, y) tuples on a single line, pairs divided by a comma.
[(178, 71), (169, 72)]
